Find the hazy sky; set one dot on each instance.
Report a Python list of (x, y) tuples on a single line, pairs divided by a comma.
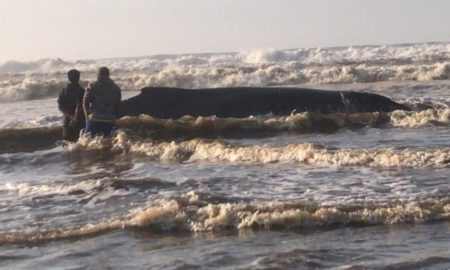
[(32, 29)]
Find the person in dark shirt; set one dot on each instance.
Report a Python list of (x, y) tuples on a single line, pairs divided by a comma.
[(101, 104), (70, 103)]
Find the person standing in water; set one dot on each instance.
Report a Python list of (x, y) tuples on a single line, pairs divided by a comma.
[(70, 103), (101, 104)]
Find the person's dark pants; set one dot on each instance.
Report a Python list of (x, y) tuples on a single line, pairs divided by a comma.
[(72, 133), (99, 128)]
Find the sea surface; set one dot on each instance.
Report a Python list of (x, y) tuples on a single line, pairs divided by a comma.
[(304, 191)]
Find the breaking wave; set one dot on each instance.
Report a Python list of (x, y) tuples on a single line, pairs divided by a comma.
[(193, 213), (144, 126), (431, 117), (212, 127), (84, 186), (30, 88), (200, 150), (421, 62), (207, 127)]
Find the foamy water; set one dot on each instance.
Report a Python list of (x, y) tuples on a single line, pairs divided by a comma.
[(418, 62), (338, 191)]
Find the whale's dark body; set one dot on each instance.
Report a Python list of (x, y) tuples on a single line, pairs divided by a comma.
[(174, 103), (221, 102)]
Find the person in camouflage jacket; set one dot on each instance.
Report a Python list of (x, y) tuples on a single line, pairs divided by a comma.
[(101, 104)]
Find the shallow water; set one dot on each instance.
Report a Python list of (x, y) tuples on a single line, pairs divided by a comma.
[(264, 192), (378, 247)]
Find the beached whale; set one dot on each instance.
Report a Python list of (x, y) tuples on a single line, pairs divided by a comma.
[(164, 102), (173, 103)]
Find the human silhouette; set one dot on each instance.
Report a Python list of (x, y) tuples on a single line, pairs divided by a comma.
[(101, 104), (70, 103)]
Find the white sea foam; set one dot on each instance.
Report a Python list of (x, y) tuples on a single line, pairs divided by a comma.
[(298, 122), (427, 117), (198, 150), (51, 189), (44, 65), (35, 114), (190, 213), (422, 62), (206, 127), (29, 88)]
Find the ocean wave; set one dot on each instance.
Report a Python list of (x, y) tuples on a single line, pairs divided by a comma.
[(24, 189), (42, 65), (30, 89), (420, 62), (200, 150), (309, 154), (378, 54), (28, 139), (144, 126), (432, 117), (36, 120), (212, 127), (193, 213)]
